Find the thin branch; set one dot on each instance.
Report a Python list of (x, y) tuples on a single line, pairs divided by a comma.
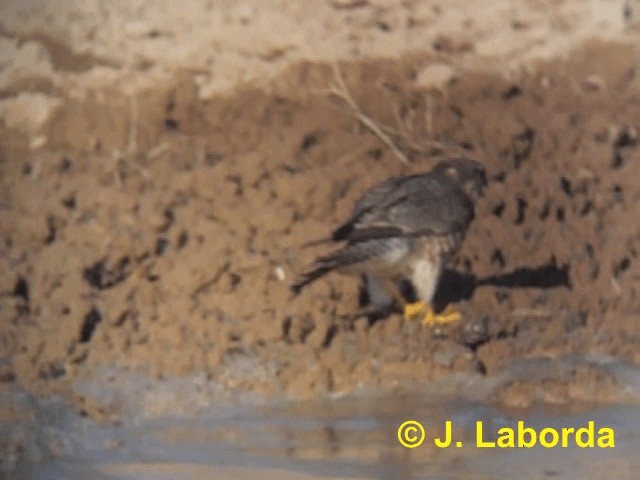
[(341, 91), (384, 132), (424, 145)]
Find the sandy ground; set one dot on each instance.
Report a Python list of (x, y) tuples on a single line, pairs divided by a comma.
[(161, 166)]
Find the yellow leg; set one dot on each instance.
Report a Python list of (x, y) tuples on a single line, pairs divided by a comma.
[(419, 309)]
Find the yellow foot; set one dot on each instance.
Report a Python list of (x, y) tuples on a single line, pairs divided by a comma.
[(417, 310), (448, 315)]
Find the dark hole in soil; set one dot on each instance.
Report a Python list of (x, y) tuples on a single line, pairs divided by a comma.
[(308, 141), (100, 277), (91, 320), (511, 92), (498, 209), (522, 208), (21, 289), (51, 235)]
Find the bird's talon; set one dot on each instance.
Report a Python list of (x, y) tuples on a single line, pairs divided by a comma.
[(448, 315), (413, 311)]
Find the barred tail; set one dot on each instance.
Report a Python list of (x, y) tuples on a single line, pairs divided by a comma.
[(309, 277), (349, 255), (324, 265)]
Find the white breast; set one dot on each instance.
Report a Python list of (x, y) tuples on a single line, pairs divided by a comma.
[(425, 277)]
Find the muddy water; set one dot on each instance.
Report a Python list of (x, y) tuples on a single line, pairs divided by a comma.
[(335, 438), (342, 444)]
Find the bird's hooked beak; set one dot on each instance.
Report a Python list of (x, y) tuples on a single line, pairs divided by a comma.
[(482, 185), (475, 187)]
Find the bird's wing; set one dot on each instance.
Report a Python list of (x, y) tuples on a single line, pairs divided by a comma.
[(409, 206), (378, 197)]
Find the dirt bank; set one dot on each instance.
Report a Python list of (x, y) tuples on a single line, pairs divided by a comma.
[(157, 233)]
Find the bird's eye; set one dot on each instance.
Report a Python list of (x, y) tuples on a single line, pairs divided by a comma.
[(452, 173)]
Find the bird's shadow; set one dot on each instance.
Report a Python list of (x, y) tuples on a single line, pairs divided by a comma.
[(455, 286)]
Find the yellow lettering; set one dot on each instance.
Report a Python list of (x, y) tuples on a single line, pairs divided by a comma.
[(589, 432), (565, 436), (522, 430), (506, 438), (440, 443), (546, 432), (480, 443), (606, 434)]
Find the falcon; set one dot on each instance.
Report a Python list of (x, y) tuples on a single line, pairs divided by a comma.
[(406, 228)]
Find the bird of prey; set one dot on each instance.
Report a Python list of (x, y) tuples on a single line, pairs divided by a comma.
[(406, 228)]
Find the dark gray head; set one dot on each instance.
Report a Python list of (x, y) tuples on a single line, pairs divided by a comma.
[(468, 174)]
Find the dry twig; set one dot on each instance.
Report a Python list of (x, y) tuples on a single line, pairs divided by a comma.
[(384, 132), (341, 91)]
